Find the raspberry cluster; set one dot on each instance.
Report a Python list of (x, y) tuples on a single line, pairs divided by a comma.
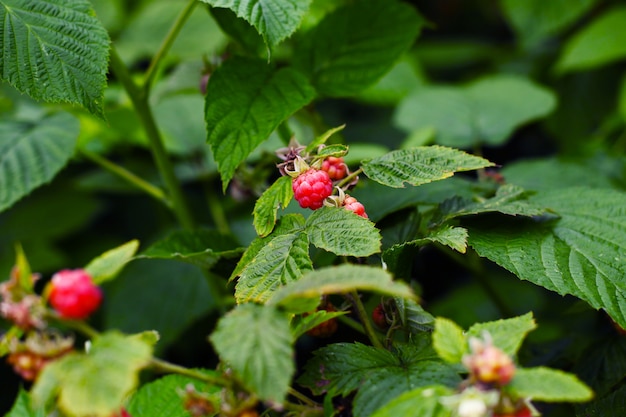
[(311, 188)]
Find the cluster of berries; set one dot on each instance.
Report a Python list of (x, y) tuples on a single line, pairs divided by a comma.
[(313, 185), (73, 296), (490, 370)]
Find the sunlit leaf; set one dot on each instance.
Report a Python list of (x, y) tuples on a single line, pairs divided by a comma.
[(111, 262)]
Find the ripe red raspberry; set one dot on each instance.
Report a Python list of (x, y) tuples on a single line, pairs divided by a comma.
[(311, 188), (327, 328), (73, 294), (378, 317), (335, 167), (351, 203)]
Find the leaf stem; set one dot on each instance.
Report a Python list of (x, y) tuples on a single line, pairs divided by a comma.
[(159, 153), (130, 177), (365, 320), (166, 45), (160, 365), (303, 398)]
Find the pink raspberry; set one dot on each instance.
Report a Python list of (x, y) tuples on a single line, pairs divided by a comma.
[(311, 188), (488, 364), (335, 167), (73, 294), (351, 203)]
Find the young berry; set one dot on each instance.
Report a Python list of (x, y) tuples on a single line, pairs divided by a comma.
[(335, 167), (379, 318), (311, 188), (488, 364), (351, 203), (73, 294)]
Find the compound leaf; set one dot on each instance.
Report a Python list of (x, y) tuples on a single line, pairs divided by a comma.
[(54, 50), (31, 154), (256, 342)]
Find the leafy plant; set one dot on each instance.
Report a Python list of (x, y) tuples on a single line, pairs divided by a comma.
[(241, 256)]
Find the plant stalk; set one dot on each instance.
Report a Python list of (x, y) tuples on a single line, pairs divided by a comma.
[(128, 176), (365, 321), (160, 365), (166, 45), (159, 153)]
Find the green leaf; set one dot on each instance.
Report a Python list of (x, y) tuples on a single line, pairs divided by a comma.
[(111, 262), (24, 273), (321, 139), (378, 374), (239, 30), (622, 98), (342, 232), (275, 20), (534, 20), (507, 334), (422, 402), (282, 260), (449, 340), (56, 51), (22, 407), (611, 404), (420, 165), (160, 287), (414, 318), (266, 207), (549, 385), (582, 253), (31, 154), (290, 223), (302, 324), (599, 43), (509, 199), (246, 100), (162, 397), (454, 237), (97, 382), (256, 342), (336, 280), (200, 247), (357, 44), (485, 111)]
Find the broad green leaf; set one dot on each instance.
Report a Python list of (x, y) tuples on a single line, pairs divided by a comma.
[(200, 247), (275, 20), (162, 397), (421, 165), (507, 334), (535, 20), (111, 262), (509, 199), (611, 404), (357, 44), (302, 324), (422, 402), (342, 232), (581, 253), (266, 207), (449, 340), (23, 408), (32, 153), (549, 385), (290, 223), (246, 100), (333, 150), (395, 85), (377, 374), (413, 317), (454, 237), (160, 287), (239, 30), (604, 365), (485, 111), (94, 383), (599, 43), (255, 341), (282, 260), (56, 51), (336, 280)]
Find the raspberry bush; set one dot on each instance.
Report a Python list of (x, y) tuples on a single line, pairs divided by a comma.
[(363, 208)]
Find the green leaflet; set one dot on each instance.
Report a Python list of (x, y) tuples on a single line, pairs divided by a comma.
[(485, 111), (581, 253), (55, 51), (266, 207), (31, 154), (549, 385), (111, 262), (246, 100), (417, 166), (354, 46), (116, 360), (275, 20), (256, 342), (599, 43)]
